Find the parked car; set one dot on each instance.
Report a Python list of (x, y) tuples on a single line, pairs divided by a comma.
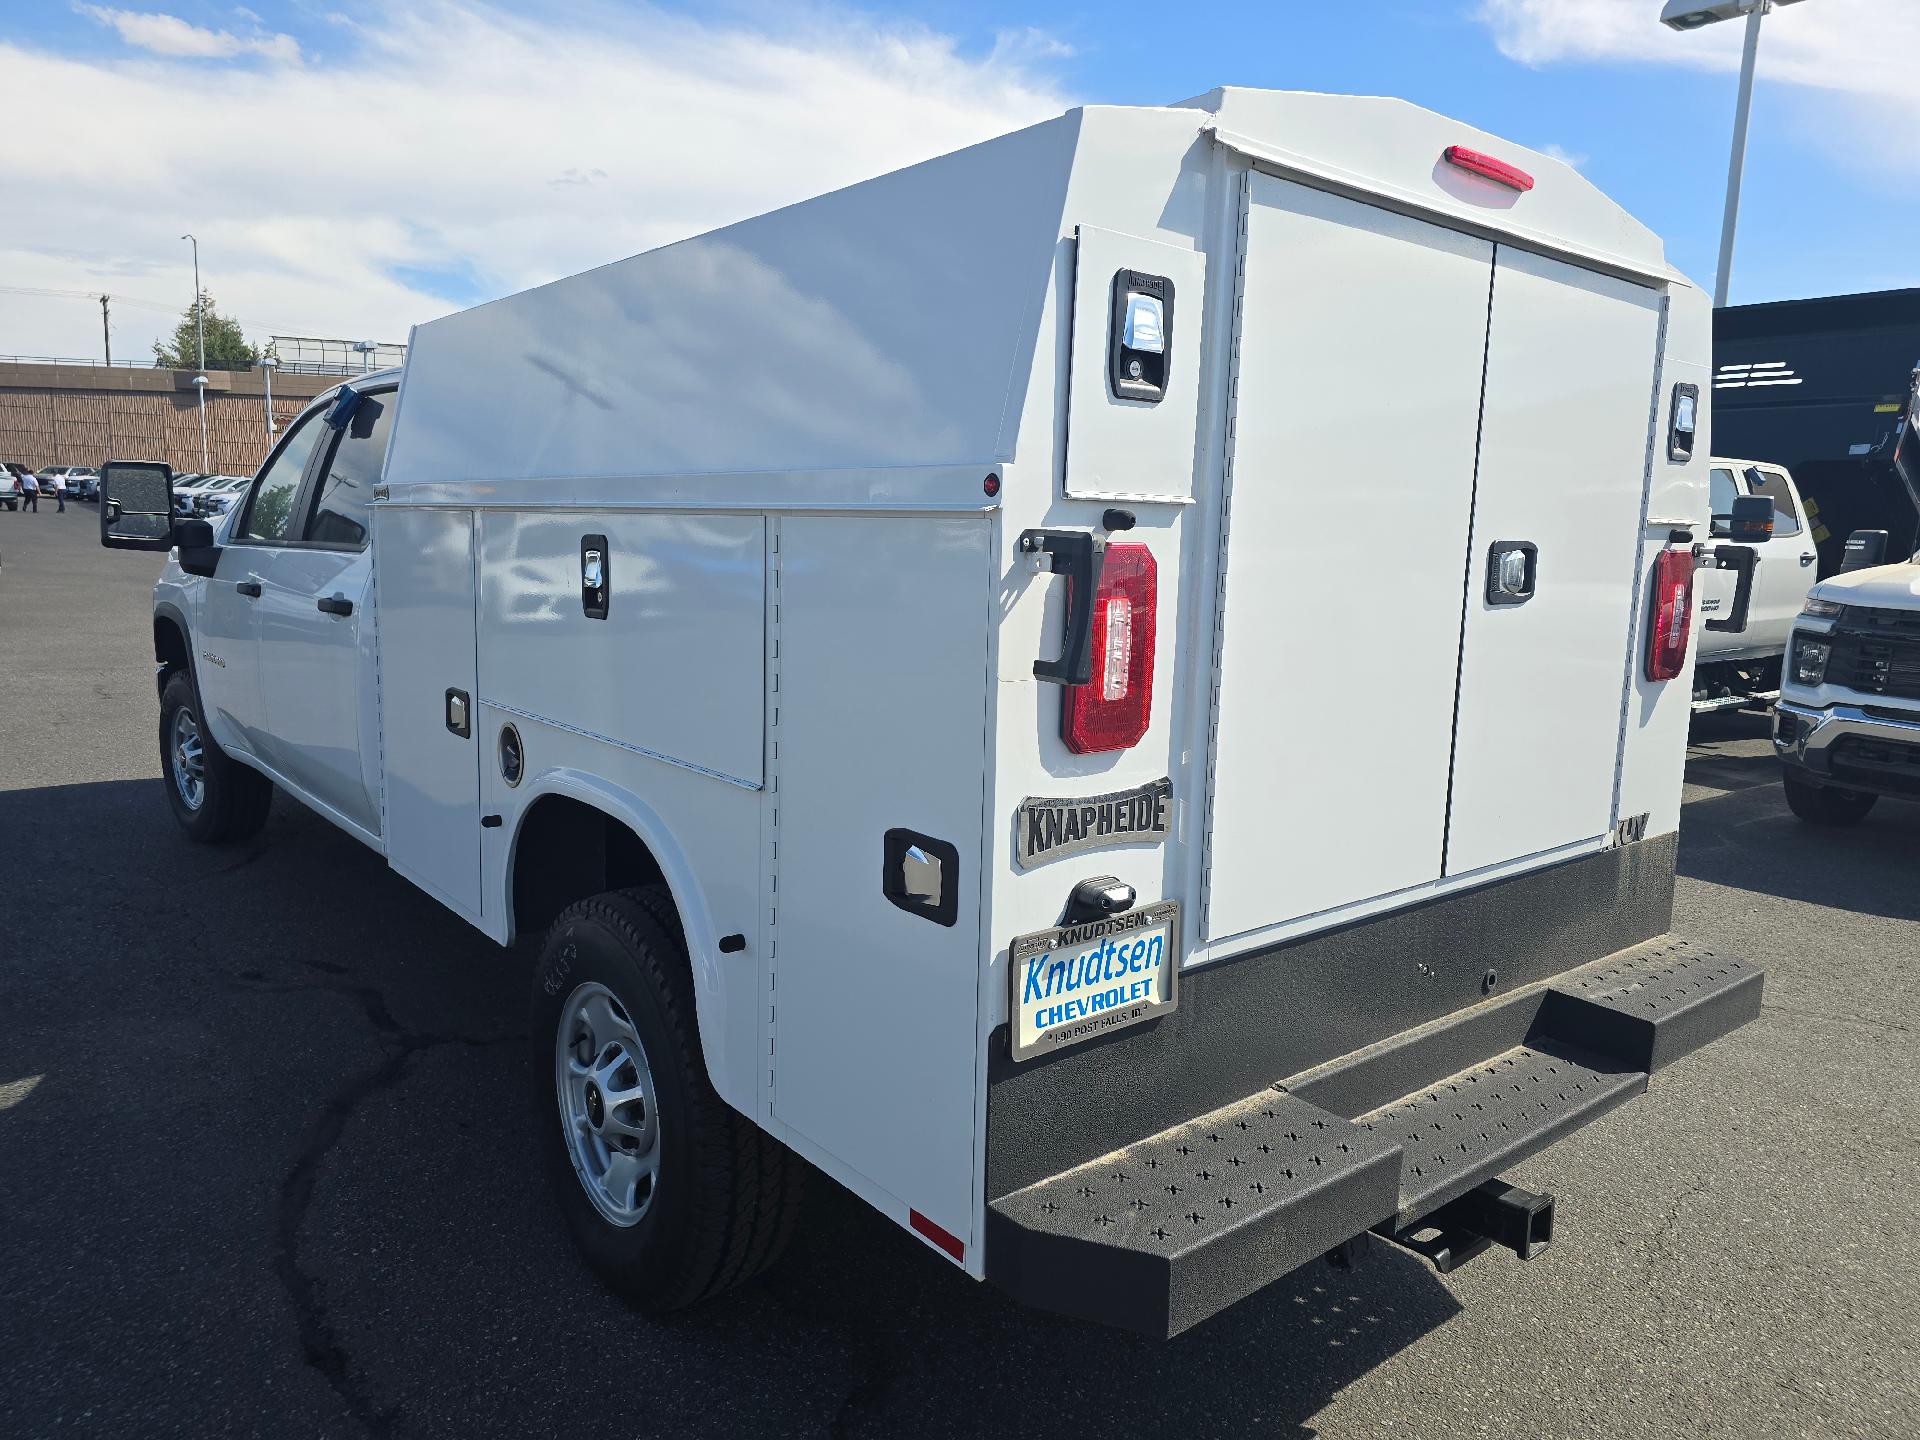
[(1741, 666), (10, 489), (186, 487), (87, 481), (218, 495), (1847, 728), (1242, 890)]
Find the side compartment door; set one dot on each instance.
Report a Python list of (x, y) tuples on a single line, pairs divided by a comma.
[(424, 579), (1563, 471), (879, 726)]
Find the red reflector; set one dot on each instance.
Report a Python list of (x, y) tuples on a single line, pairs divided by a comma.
[(1510, 175), (1111, 711), (925, 1227), (1672, 614)]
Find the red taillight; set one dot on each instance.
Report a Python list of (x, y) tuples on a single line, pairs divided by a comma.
[(1509, 175), (1111, 711), (1672, 614)]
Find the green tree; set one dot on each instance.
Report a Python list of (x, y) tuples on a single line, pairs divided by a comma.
[(227, 347)]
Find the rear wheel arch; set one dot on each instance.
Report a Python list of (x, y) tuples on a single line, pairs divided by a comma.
[(579, 837)]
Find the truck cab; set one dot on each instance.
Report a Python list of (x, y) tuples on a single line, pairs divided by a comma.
[(1739, 667), (277, 633), (1847, 728)]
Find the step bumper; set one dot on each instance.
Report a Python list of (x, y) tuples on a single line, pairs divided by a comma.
[(1166, 1232)]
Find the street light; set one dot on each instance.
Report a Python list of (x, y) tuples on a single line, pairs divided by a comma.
[(200, 339), (1692, 15), (268, 364)]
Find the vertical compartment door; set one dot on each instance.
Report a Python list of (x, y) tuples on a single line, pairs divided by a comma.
[(1563, 469), (1356, 406), (423, 563)]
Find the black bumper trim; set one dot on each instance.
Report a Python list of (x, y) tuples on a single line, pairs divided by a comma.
[(1166, 1232)]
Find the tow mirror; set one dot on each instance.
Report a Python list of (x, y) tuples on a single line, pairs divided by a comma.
[(1752, 520), (198, 554), (136, 505), (1865, 549)]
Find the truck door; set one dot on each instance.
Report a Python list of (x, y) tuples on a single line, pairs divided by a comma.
[(315, 664), (1786, 567), (1557, 511), (227, 645)]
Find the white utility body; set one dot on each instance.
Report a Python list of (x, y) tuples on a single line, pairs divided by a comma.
[(1169, 625)]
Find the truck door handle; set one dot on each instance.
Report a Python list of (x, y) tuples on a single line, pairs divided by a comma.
[(247, 587), (335, 604), (1806, 559)]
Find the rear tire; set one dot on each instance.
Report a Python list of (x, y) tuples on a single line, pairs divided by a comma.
[(717, 1197), (214, 797), (1826, 804)]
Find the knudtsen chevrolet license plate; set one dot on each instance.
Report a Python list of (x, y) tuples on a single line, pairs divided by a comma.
[(1077, 981)]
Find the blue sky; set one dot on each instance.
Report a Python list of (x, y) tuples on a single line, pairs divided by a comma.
[(513, 148)]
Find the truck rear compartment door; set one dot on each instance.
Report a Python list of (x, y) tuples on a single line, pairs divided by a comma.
[(1563, 467), (1362, 335)]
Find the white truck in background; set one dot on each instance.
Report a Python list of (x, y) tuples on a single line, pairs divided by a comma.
[(1743, 637), (1847, 728), (911, 656)]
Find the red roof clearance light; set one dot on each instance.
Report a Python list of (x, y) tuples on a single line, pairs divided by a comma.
[(1511, 176)]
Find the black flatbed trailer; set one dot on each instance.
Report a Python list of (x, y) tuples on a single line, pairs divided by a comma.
[(1826, 387)]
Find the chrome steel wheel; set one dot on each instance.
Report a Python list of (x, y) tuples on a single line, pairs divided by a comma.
[(189, 760), (607, 1103)]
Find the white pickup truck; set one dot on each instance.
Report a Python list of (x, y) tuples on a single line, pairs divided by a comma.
[(1740, 654), (917, 659), (1847, 728)]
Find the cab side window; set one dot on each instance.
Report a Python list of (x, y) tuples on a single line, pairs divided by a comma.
[(340, 511), (1773, 485), (270, 508), (1721, 491)]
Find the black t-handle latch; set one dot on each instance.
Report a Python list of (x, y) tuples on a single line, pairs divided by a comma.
[(1079, 555)]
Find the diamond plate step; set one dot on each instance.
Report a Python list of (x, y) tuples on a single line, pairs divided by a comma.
[(1468, 1127), (1162, 1234)]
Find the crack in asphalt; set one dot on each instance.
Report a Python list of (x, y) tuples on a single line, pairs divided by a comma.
[(320, 1343), (1869, 1021)]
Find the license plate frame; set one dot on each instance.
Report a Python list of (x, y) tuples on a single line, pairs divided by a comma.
[(1034, 987)]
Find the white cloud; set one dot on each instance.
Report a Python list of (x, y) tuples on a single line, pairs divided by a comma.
[(463, 142), (1854, 58), (172, 36)]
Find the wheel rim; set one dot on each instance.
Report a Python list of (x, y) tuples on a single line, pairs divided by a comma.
[(607, 1113), (189, 760)]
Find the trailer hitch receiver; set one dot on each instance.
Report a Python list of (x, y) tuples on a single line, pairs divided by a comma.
[(1492, 1213)]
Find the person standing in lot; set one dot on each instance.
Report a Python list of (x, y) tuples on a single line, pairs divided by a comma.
[(60, 493), (29, 493)]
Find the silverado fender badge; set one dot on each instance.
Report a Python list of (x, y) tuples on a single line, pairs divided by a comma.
[(1053, 829)]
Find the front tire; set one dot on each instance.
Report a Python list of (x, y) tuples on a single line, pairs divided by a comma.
[(214, 797), (1826, 804), (670, 1194)]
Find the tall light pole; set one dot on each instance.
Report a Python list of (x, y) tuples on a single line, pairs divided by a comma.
[(1691, 15), (200, 339), (268, 364)]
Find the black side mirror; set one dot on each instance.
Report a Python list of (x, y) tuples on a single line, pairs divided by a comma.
[(1865, 549), (1752, 521), (198, 554), (136, 505)]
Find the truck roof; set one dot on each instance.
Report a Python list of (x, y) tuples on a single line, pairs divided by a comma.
[(890, 326)]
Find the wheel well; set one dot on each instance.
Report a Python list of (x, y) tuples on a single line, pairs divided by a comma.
[(169, 648), (566, 851)]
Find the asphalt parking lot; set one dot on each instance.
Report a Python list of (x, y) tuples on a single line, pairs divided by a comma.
[(265, 1163)]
